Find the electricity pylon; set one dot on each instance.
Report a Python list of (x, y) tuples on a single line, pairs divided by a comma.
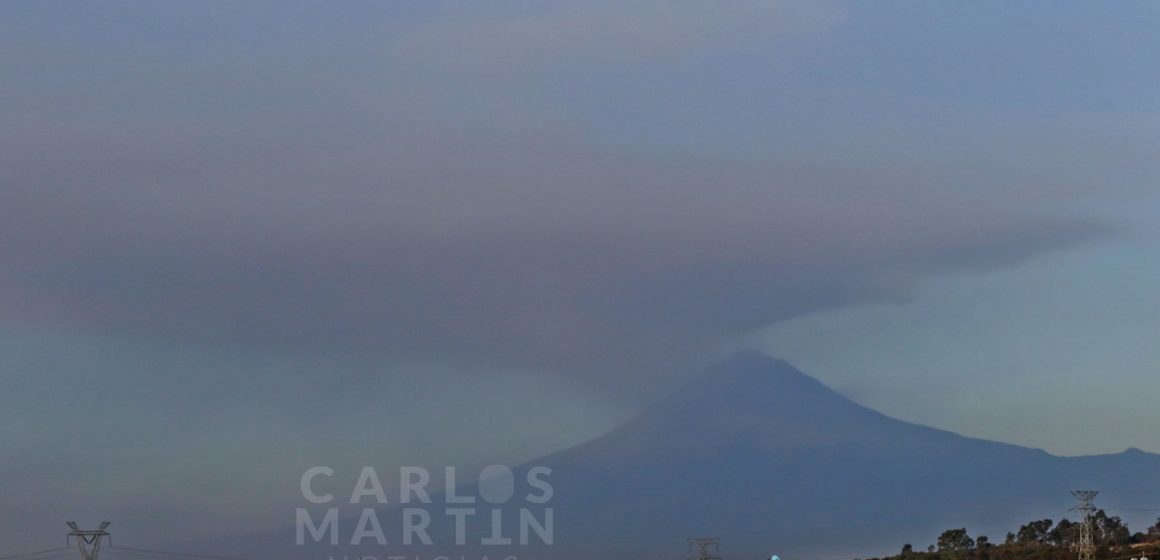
[(704, 544), (1086, 545), (88, 542)]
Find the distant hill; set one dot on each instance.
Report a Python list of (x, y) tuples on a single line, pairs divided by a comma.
[(770, 460)]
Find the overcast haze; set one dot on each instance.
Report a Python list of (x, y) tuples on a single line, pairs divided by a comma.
[(240, 239)]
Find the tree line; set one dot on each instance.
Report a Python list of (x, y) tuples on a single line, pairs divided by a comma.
[(1042, 540)]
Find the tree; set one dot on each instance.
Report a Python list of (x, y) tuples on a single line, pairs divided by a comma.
[(907, 549), (955, 541), (983, 548), (1154, 532), (1064, 534), (1034, 533), (1110, 531)]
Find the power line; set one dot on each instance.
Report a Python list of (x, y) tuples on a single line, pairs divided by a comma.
[(145, 551), (37, 553)]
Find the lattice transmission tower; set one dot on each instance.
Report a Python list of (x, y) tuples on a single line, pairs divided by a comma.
[(1086, 545), (707, 548), (88, 542)]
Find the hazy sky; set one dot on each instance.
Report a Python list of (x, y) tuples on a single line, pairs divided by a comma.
[(238, 239)]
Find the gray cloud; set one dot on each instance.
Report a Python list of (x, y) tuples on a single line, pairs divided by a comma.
[(363, 213), (415, 190), (549, 254), (518, 34)]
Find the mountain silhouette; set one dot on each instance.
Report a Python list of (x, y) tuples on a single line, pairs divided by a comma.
[(772, 461)]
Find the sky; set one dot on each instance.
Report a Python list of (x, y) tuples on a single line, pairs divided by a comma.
[(239, 239)]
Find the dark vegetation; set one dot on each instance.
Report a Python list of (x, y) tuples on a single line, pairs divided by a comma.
[(1042, 540)]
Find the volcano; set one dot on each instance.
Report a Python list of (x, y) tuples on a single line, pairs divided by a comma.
[(770, 460)]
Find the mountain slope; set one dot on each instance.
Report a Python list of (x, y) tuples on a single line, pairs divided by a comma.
[(770, 460), (767, 458)]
